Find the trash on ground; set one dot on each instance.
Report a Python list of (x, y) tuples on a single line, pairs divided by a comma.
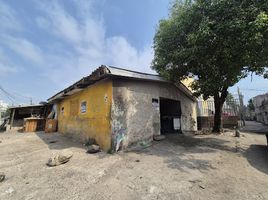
[(2, 177), (10, 190), (201, 186)]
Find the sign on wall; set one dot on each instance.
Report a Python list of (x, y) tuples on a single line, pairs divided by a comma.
[(83, 107)]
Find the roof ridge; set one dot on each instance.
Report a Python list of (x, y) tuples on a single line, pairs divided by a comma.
[(119, 68)]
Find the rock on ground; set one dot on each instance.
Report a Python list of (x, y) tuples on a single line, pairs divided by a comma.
[(59, 159), (93, 148), (159, 137)]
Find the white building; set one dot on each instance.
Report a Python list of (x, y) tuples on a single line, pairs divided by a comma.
[(261, 108), (3, 108)]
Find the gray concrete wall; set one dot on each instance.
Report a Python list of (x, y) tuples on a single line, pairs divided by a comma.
[(134, 118)]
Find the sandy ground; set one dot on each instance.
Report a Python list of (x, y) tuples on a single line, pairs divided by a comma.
[(180, 167)]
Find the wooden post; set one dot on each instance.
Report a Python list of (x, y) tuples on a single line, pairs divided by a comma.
[(12, 118)]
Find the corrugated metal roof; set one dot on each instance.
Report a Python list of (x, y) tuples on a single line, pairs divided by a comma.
[(26, 106), (133, 74), (109, 71)]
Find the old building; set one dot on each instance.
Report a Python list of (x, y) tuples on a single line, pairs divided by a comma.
[(119, 108), (261, 108), (18, 115)]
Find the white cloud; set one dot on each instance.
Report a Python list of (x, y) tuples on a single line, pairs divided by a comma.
[(86, 33), (121, 53), (82, 43), (7, 70), (24, 48), (6, 65), (8, 18)]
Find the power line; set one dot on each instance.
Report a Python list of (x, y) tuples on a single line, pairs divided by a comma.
[(13, 97), (260, 90), (9, 98)]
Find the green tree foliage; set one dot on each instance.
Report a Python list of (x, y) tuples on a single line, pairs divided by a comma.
[(218, 42)]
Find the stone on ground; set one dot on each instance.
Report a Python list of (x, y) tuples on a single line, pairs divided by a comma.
[(93, 148), (159, 137), (60, 159)]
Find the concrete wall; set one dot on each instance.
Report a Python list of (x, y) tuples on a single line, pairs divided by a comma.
[(134, 118), (95, 122), (207, 122)]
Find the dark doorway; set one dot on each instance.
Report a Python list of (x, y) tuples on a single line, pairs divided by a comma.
[(170, 116)]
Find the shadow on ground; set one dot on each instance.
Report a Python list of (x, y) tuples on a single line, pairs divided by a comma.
[(182, 151), (58, 141), (257, 156)]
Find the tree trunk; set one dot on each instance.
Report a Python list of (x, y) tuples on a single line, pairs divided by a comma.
[(218, 104), (217, 116)]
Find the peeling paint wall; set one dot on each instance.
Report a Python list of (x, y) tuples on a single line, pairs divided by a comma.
[(92, 123), (138, 119)]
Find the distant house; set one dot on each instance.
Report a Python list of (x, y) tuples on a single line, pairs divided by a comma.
[(3, 109), (119, 108), (18, 115), (206, 110), (261, 108)]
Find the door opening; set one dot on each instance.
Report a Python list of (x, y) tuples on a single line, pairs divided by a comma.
[(170, 116)]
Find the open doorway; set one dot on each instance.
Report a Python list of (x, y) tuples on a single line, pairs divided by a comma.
[(170, 116)]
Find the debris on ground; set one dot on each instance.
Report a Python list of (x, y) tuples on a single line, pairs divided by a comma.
[(201, 186), (203, 132), (60, 159), (10, 190), (53, 141), (93, 148), (237, 133), (195, 181), (159, 137), (2, 177)]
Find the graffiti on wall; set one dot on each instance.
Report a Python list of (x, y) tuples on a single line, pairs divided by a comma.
[(118, 125)]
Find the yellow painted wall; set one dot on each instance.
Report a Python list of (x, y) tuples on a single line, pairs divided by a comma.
[(187, 82), (95, 122)]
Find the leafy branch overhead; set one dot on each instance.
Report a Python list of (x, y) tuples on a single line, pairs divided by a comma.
[(217, 42)]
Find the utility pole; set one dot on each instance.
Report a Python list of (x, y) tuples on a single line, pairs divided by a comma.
[(241, 106), (0, 114), (31, 101)]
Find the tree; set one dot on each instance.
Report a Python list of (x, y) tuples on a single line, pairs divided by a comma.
[(251, 106), (217, 42)]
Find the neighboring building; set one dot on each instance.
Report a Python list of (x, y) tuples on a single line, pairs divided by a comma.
[(206, 110), (261, 108), (19, 113), (119, 108), (3, 109)]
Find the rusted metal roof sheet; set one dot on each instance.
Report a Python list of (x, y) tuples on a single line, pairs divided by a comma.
[(108, 71), (27, 106), (133, 74)]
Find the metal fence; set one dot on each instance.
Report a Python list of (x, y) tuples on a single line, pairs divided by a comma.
[(206, 108)]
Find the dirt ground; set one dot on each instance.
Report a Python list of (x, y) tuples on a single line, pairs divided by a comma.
[(180, 167)]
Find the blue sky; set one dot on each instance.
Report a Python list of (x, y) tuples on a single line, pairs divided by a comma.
[(47, 45)]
